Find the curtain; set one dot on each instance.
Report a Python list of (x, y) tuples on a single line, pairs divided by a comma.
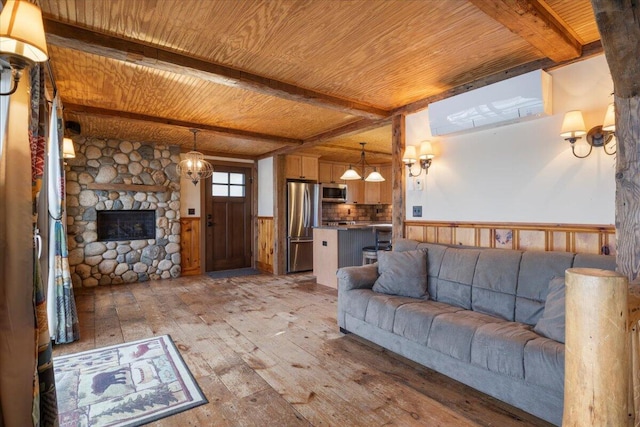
[(44, 391), (61, 307)]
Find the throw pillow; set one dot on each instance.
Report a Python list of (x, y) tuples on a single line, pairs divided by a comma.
[(552, 322), (402, 273)]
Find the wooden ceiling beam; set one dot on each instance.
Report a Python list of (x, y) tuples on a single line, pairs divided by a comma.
[(588, 50), (322, 138), (538, 26), (97, 111), (71, 37)]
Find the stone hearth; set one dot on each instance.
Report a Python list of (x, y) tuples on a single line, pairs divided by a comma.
[(109, 165)]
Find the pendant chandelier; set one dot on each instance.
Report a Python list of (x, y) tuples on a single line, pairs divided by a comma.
[(194, 167), (352, 174)]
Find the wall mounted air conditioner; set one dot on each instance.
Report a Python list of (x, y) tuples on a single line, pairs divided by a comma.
[(519, 98)]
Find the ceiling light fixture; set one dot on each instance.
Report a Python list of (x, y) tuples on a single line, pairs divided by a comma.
[(573, 129), (351, 174), (426, 156), (194, 167), (22, 41)]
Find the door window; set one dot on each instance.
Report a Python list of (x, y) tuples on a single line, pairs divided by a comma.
[(228, 184)]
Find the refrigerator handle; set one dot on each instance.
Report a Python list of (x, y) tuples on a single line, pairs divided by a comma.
[(306, 206)]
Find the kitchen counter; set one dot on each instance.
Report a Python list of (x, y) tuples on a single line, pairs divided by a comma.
[(363, 226), (336, 246)]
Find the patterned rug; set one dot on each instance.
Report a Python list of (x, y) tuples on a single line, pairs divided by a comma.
[(128, 384)]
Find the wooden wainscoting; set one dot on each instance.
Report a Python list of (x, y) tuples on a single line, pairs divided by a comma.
[(265, 244), (190, 245), (593, 239)]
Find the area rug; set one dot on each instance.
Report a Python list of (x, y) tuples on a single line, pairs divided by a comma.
[(127, 384), (238, 272)]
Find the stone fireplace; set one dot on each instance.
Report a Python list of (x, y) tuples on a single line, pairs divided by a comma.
[(123, 212)]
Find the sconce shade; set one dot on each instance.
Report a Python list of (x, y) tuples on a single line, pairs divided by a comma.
[(426, 150), (573, 125), (409, 154), (609, 123), (350, 174), (374, 176), (22, 32), (68, 151)]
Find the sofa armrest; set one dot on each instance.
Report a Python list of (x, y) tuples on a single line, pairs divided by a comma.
[(358, 277)]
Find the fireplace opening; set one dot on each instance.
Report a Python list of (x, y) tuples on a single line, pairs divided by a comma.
[(126, 225)]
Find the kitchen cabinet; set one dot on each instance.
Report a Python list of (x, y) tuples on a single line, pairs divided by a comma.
[(386, 187), (301, 167), (355, 192), (331, 172), (372, 193)]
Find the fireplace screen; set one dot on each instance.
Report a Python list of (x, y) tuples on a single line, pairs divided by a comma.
[(126, 225)]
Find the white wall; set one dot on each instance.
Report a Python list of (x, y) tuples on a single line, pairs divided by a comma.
[(265, 187), (523, 172)]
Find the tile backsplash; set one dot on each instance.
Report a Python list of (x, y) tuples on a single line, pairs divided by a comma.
[(347, 212)]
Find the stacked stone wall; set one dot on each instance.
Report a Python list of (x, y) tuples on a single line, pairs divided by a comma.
[(109, 161)]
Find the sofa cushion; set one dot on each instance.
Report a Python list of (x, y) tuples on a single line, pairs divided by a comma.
[(552, 322), (381, 310), (604, 262), (435, 253), (494, 282), (355, 302), (402, 245), (402, 273), (413, 321), (499, 347), (544, 364), (452, 333), (536, 270), (456, 276)]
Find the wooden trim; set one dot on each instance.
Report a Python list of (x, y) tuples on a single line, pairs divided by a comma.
[(72, 37), (584, 238), (255, 136), (190, 237), (280, 215), (126, 187)]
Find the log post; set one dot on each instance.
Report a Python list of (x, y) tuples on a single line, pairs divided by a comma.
[(596, 385)]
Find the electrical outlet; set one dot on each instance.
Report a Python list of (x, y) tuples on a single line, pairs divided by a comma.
[(191, 211), (417, 211)]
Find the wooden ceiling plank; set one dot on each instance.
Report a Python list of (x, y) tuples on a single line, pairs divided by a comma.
[(68, 36), (588, 50), (83, 109), (362, 125), (534, 23)]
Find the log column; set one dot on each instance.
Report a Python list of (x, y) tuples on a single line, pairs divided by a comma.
[(596, 382)]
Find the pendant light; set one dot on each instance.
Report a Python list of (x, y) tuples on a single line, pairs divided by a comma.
[(194, 167), (351, 174)]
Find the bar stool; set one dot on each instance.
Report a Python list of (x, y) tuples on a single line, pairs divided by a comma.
[(383, 243)]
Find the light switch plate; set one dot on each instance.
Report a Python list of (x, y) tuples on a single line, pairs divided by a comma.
[(418, 183)]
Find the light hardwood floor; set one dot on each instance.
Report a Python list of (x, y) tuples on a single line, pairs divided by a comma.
[(266, 351)]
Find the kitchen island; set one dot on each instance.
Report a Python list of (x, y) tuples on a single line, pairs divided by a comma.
[(336, 246)]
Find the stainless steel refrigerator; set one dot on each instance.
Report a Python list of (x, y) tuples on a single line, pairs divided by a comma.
[(303, 200)]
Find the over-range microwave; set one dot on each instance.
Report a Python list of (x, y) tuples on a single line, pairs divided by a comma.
[(334, 193)]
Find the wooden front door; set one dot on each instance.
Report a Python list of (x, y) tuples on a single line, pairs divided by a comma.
[(228, 218)]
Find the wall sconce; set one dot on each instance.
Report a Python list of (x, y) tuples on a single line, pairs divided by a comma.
[(68, 151), (573, 128), (425, 158), (22, 41)]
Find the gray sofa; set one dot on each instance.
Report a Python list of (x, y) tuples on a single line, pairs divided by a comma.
[(477, 321)]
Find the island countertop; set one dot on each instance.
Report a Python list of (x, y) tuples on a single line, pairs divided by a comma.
[(362, 226)]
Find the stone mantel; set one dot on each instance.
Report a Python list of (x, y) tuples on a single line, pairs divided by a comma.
[(126, 187)]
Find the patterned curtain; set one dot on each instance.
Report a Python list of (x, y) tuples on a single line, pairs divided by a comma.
[(62, 313), (44, 411)]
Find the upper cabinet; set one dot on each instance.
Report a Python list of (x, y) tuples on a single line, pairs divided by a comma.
[(356, 192), (331, 172), (386, 188), (301, 167)]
